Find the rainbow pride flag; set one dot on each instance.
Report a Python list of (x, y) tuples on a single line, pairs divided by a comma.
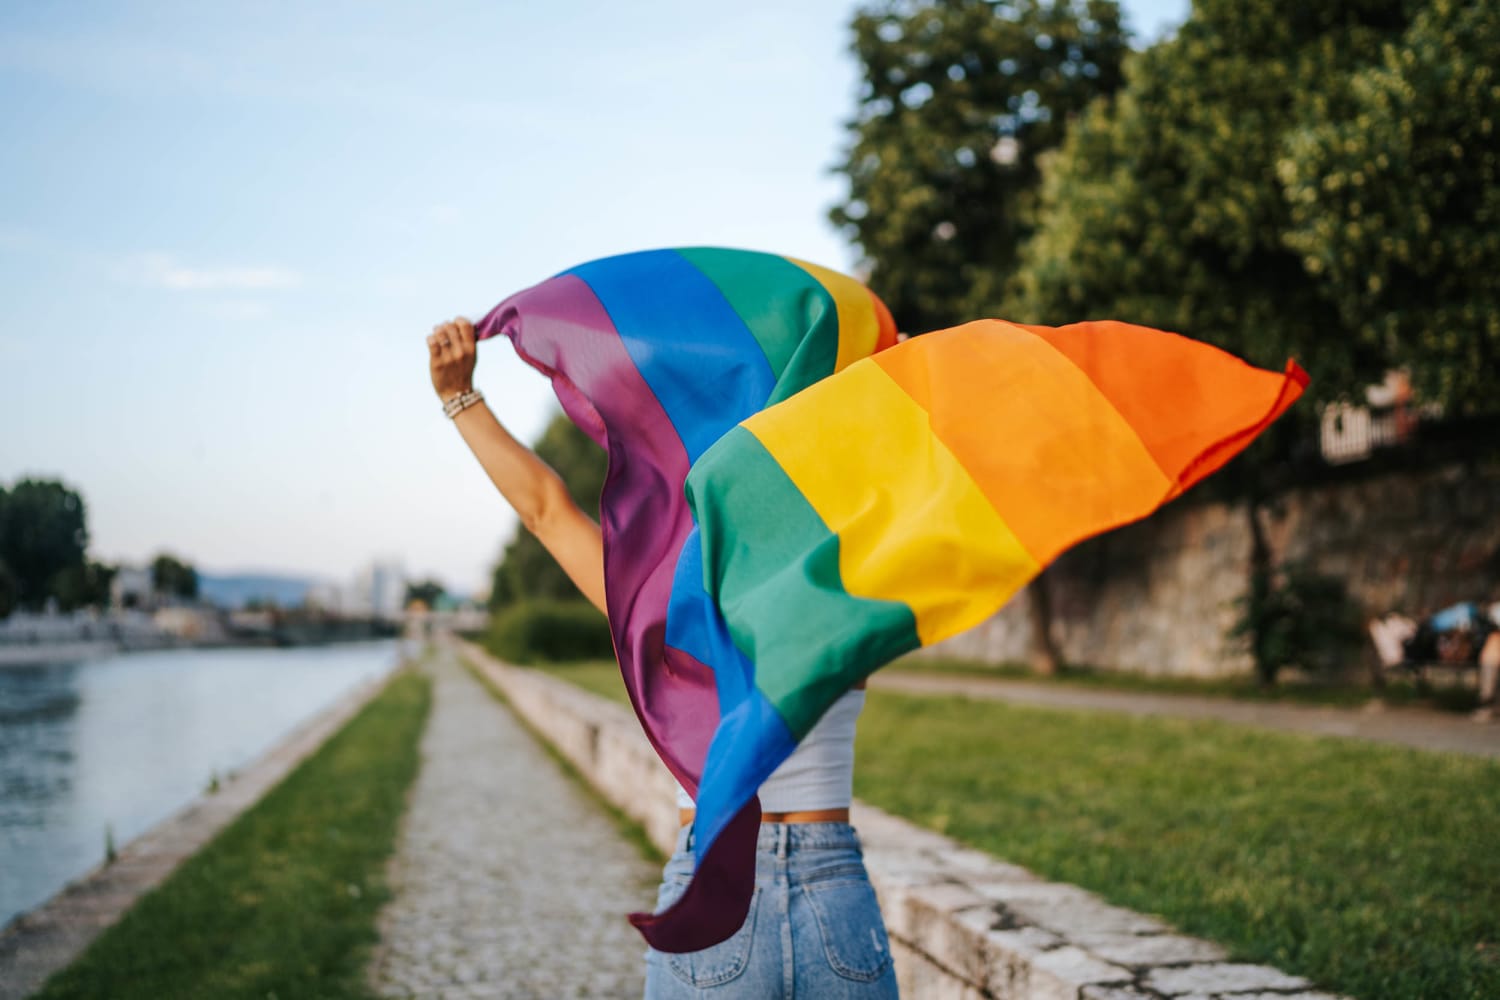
[(793, 500)]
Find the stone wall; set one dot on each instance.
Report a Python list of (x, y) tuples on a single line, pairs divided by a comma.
[(963, 925), (1158, 597)]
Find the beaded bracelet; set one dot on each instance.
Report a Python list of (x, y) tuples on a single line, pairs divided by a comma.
[(455, 405)]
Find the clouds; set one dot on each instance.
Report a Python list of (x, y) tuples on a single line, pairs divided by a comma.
[(158, 270)]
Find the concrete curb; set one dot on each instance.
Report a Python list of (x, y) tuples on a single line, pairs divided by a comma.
[(963, 925), (42, 941)]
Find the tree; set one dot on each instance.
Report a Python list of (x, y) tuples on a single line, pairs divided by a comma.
[(10, 589), (42, 533), (1395, 206), (85, 585), (526, 571), (960, 97), (1164, 206), (428, 592), (171, 576)]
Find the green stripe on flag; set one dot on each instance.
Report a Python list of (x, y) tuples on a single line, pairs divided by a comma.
[(788, 311), (777, 567)]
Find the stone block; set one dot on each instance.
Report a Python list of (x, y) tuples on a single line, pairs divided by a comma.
[(1069, 910), (1150, 949), (919, 976), (1009, 955), (1071, 968), (1114, 993), (921, 915), (1221, 977)]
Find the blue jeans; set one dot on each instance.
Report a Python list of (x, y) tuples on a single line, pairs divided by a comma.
[(814, 928)]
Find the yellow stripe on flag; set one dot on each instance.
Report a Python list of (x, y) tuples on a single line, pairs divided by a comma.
[(913, 527), (858, 325)]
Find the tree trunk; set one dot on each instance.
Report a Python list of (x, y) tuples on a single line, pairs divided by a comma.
[(1045, 658), (1259, 594)]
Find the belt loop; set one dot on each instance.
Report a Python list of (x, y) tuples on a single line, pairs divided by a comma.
[(783, 831)]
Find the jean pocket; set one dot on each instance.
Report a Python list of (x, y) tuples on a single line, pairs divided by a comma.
[(720, 963), (854, 938)]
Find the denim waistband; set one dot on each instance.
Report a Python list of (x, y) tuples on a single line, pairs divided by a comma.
[(787, 838)]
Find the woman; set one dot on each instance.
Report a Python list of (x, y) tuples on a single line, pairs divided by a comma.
[(814, 927)]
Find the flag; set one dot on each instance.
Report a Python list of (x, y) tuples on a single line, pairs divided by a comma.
[(793, 500)]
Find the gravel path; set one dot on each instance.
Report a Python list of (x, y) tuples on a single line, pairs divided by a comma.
[(509, 881), (1424, 729)]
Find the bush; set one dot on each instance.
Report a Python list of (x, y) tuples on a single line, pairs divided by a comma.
[(550, 632), (1298, 618)]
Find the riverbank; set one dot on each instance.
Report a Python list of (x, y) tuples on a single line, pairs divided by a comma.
[(192, 905), (101, 750)]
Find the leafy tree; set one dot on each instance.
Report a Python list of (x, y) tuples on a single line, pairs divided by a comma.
[(171, 576), (42, 534), (1395, 206), (1164, 205), (526, 571), (84, 585), (1298, 618), (10, 588), (428, 592), (959, 99)]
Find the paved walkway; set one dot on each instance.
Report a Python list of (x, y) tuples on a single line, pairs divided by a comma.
[(1422, 728), (509, 881)]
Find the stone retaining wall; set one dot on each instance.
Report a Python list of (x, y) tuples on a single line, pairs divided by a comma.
[(1158, 596), (963, 925)]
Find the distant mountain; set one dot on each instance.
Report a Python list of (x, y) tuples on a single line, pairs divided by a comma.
[(235, 590)]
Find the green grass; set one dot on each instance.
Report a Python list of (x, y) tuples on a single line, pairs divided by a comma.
[(601, 677), (1373, 870), (1346, 694), (283, 902)]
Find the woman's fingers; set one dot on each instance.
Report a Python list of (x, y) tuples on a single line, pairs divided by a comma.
[(447, 341), (451, 350)]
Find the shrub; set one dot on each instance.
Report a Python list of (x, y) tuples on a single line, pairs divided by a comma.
[(1298, 618), (550, 632)]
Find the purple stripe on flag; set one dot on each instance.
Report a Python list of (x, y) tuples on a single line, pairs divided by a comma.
[(560, 328)]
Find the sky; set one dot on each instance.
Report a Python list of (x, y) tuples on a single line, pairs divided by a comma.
[(226, 230)]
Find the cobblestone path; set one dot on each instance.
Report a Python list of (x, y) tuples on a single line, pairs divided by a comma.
[(509, 882)]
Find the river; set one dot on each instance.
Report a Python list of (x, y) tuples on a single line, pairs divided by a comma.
[(122, 741)]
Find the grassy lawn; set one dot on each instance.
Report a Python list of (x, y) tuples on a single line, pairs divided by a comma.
[(602, 677), (1398, 691), (1373, 870), (283, 902)]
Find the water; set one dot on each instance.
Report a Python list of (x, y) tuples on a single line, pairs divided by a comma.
[(126, 740)]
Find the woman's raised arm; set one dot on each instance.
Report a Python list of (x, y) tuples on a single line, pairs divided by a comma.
[(530, 485)]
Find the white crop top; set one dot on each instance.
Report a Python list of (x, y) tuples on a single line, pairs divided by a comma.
[(820, 772)]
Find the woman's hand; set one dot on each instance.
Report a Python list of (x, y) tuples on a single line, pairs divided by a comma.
[(451, 346)]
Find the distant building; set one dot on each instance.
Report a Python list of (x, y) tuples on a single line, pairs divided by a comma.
[(379, 591), (330, 598), (132, 587), (1389, 417), (194, 624)]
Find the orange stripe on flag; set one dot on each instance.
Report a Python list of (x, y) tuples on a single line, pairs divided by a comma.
[(1217, 389), (1056, 460)]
